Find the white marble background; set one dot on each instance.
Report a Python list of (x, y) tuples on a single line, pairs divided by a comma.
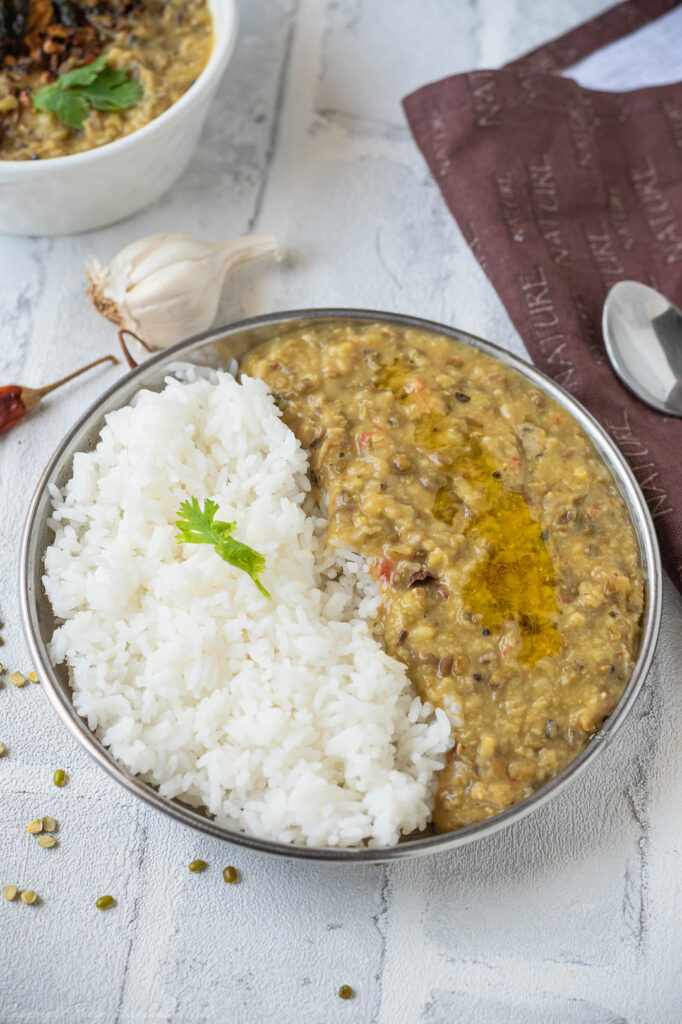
[(570, 917)]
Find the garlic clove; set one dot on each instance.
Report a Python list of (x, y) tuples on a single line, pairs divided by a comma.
[(247, 249), (167, 287), (175, 303)]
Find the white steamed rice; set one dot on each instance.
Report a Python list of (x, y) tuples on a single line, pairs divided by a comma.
[(284, 718)]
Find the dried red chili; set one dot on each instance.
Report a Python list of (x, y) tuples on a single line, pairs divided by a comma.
[(16, 401), (12, 408)]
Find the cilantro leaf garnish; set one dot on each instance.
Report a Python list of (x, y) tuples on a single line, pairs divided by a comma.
[(70, 107), (85, 75), (199, 526), (95, 86)]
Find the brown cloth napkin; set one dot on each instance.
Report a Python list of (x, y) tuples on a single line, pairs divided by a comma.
[(562, 191)]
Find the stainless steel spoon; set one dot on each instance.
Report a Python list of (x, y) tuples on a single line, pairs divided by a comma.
[(643, 337)]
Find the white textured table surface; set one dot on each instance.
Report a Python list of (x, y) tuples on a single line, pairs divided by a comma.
[(571, 917)]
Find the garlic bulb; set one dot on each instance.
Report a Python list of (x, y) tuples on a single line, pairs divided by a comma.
[(166, 288)]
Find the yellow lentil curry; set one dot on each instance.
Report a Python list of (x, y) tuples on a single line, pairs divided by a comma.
[(506, 558), (163, 45)]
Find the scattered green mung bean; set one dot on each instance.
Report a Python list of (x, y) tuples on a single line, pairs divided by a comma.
[(230, 874), (104, 902), (35, 826), (198, 865), (346, 992), (10, 892), (47, 841), (18, 678), (59, 777), (29, 896), (49, 823)]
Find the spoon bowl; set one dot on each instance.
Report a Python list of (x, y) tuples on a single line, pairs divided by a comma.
[(643, 337)]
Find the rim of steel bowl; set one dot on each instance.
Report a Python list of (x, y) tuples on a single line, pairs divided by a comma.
[(216, 348)]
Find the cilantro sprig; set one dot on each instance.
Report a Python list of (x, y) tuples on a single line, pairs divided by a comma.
[(199, 526), (95, 86)]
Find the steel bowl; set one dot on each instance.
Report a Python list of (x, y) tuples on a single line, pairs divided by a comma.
[(218, 348)]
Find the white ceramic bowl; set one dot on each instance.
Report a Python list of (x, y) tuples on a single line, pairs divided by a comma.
[(84, 191)]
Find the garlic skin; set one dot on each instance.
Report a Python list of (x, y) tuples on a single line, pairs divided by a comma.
[(167, 287)]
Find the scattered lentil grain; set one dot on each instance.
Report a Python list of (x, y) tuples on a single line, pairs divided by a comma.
[(49, 824), (17, 678), (10, 892), (35, 826), (29, 896), (46, 842), (33, 676), (2, 749)]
